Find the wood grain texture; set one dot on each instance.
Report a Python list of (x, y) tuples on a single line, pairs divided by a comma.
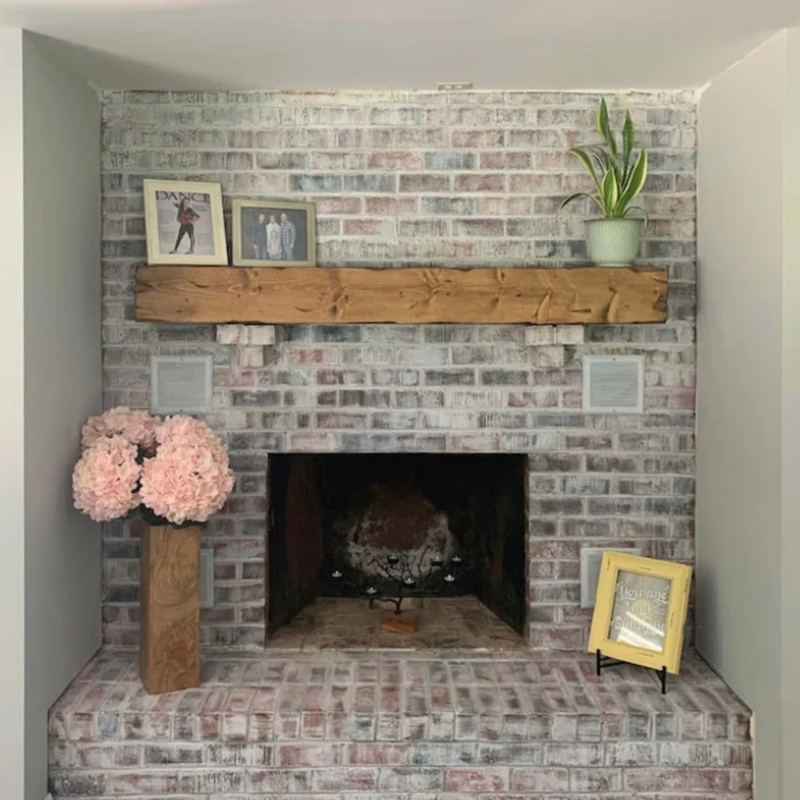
[(287, 295), (169, 650)]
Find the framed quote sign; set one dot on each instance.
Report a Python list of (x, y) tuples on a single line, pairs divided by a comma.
[(640, 611)]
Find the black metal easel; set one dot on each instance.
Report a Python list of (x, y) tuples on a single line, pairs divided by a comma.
[(607, 661)]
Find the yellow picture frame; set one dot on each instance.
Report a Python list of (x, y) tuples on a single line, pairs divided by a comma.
[(638, 608)]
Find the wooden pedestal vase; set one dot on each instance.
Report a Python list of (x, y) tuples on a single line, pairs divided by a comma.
[(169, 650)]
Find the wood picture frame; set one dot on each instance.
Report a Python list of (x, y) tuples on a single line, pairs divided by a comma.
[(184, 223), (640, 610), (274, 233)]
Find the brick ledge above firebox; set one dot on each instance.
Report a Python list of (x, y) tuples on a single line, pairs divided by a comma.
[(337, 721)]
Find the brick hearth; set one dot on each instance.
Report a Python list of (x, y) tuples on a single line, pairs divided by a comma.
[(401, 726)]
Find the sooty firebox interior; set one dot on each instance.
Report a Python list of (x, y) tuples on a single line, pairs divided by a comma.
[(441, 533)]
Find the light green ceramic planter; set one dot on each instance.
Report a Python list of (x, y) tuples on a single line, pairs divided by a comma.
[(614, 242)]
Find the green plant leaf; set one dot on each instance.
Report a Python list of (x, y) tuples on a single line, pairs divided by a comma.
[(602, 157), (609, 192), (575, 196), (585, 158), (628, 136), (635, 183), (605, 161), (604, 128)]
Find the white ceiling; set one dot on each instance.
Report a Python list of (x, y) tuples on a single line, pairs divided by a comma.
[(317, 44)]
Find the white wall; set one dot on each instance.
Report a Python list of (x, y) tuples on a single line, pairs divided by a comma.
[(62, 289), (12, 534), (748, 390), (790, 559), (50, 329)]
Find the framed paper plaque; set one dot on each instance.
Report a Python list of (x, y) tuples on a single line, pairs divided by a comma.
[(640, 611)]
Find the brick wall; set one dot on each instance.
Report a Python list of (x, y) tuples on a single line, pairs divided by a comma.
[(403, 178)]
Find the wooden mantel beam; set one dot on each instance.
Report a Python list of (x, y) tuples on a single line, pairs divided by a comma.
[(287, 295)]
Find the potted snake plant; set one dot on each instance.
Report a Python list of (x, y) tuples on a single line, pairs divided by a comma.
[(618, 177)]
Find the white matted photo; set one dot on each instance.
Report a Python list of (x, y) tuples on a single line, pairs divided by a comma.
[(184, 223), (273, 233)]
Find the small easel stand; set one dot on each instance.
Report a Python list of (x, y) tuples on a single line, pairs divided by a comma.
[(607, 661)]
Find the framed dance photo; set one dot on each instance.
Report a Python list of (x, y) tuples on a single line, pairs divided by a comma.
[(273, 233), (184, 223)]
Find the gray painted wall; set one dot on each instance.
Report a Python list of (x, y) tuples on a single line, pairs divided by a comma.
[(790, 553), (748, 390), (12, 538), (62, 367)]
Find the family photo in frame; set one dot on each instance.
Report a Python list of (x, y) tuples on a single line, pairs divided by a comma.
[(273, 233)]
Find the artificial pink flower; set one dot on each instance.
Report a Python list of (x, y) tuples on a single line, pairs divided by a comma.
[(187, 432), (190, 477), (105, 479), (185, 482), (136, 427)]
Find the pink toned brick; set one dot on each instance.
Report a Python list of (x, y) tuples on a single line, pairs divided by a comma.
[(539, 780), (395, 160), (480, 183), (677, 780), (310, 755), (478, 138), (346, 779), (326, 204), (476, 781), (506, 160), (369, 754), (391, 206), (368, 227), (420, 137)]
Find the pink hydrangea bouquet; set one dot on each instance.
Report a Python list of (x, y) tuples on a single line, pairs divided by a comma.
[(175, 470)]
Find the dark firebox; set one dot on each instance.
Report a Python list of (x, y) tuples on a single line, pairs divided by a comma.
[(364, 525)]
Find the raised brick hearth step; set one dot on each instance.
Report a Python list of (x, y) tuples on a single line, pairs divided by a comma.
[(333, 725)]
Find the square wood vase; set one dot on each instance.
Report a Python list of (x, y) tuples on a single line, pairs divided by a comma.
[(169, 650)]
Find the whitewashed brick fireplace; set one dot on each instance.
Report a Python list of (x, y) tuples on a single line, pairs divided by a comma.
[(409, 178), (399, 179)]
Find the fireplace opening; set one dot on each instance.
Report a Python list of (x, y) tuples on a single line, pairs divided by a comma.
[(396, 550)]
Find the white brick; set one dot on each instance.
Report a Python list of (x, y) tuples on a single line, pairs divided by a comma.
[(260, 334), (540, 334), (569, 334), (230, 334)]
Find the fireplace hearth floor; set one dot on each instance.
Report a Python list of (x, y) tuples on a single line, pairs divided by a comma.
[(444, 623), (337, 724)]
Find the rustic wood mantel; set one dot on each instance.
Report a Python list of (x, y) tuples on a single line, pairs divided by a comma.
[(290, 295)]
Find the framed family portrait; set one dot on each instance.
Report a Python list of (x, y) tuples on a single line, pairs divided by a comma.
[(184, 223), (640, 611), (273, 233)]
